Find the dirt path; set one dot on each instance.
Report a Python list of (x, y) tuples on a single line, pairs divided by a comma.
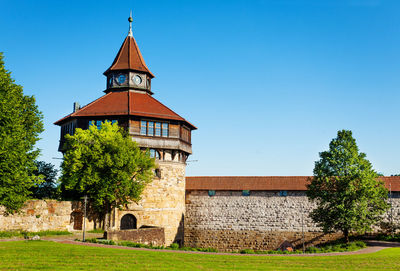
[(373, 246)]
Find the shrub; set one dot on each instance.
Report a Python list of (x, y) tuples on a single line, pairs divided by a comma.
[(247, 251), (174, 246)]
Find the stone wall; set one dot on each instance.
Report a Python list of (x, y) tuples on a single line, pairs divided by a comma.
[(41, 215), (148, 236), (263, 220), (235, 240), (162, 203)]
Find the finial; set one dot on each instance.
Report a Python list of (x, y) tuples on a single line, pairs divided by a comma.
[(130, 20)]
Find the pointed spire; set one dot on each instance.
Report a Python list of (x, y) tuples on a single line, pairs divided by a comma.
[(129, 56), (130, 20)]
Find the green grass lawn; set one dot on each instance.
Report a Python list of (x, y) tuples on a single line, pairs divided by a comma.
[(19, 233), (31, 255)]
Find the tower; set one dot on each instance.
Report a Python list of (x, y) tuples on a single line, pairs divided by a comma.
[(129, 100)]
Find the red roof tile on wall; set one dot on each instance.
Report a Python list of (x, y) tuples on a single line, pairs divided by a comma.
[(297, 183)]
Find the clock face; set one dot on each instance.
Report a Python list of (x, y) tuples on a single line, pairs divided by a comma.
[(121, 79), (110, 81), (137, 79)]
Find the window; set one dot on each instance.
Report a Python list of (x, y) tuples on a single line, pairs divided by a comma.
[(283, 193), (185, 134), (246, 193), (98, 124), (165, 129), (211, 193), (158, 129), (151, 128), (68, 128), (143, 127)]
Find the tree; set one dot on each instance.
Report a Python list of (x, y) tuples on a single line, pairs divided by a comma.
[(106, 165), (46, 188), (20, 125), (349, 196)]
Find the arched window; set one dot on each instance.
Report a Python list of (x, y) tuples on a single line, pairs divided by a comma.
[(128, 222)]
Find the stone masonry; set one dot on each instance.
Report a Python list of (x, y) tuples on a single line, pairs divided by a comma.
[(162, 203), (148, 236), (41, 215), (230, 221)]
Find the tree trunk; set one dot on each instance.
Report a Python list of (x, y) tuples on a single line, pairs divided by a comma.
[(346, 235)]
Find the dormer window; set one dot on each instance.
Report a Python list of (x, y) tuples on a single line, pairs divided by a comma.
[(153, 128)]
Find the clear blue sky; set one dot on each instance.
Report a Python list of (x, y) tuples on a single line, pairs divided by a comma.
[(268, 83)]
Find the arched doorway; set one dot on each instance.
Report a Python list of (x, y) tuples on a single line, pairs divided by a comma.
[(128, 222)]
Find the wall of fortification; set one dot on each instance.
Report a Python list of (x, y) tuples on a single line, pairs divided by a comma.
[(230, 221), (41, 215), (162, 203)]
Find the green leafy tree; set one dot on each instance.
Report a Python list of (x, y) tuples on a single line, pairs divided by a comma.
[(106, 165), (20, 125), (47, 187), (349, 196)]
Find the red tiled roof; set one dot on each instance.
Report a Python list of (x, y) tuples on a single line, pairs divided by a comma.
[(129, 58), (126, 103), (263, 182)]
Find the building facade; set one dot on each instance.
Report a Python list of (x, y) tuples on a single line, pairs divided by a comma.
[(129, 101)]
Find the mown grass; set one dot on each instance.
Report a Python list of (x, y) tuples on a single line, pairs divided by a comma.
[(96, 231), (20, 233), (34, 255)]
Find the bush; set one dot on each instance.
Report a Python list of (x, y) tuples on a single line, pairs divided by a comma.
[(388, 237), (174, 246), (246, 251)]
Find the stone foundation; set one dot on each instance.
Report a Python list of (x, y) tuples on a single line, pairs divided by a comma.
[(148, 236), (234, 240)]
